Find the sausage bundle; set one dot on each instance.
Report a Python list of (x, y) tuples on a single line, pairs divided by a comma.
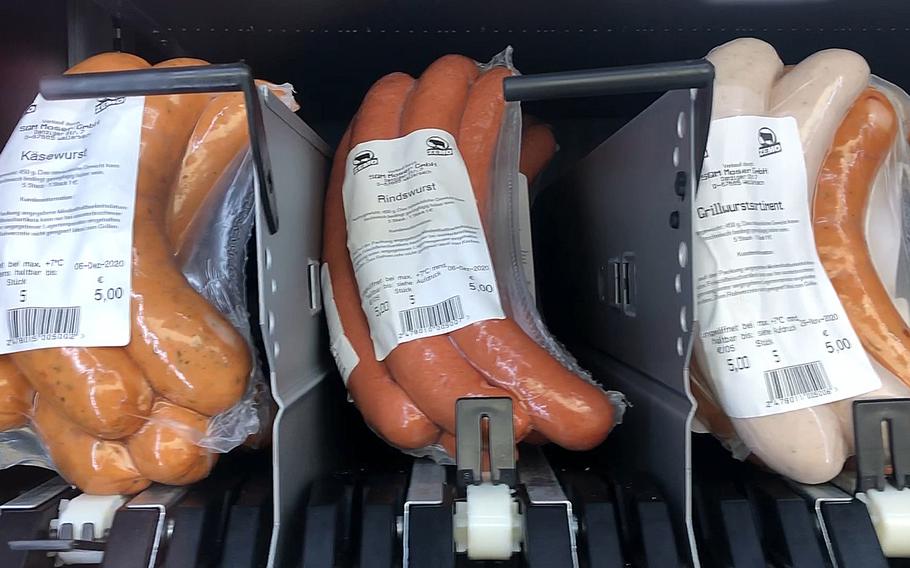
[(850, 133), (408, 396), (114, 419)]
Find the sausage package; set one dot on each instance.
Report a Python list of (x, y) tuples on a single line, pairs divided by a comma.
[(799, 256), (426, 297), (113, 417)]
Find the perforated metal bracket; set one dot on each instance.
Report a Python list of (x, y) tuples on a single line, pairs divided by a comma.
[(871, 459), (609, 265), (178, 80), (471, 414)]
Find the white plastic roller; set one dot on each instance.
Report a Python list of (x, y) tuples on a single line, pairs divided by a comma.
[(97, 510), (487, 524), (890, 514)]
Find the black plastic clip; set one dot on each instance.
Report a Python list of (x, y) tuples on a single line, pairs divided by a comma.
[(180, 80), (868, 416), (471, 414), (63, 541)]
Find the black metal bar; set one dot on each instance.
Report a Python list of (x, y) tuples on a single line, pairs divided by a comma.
[(658, 77), (178, 80), (852, 535), (56, 545)]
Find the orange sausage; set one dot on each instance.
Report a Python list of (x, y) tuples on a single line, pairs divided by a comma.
[(537, 148), (436, 375), (430, 370), (478, 133), (109, 400), (842, 194), (101, 390), (384, 405), (112, 61), (563, 407), (189, 352), (101, 467), (166, 448), (15, 396), (218, 139)]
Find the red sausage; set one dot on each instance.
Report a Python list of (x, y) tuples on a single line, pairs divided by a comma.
[(565, 408), (384, 405), (431, 370), (537, 148)]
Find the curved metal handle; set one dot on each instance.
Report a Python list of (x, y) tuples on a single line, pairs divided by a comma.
[(179, 80), (658, 77)]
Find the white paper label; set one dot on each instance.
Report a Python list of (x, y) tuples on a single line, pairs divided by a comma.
[(67, 195), (346, 358), (524, 234), (775, 335), (418, 249)]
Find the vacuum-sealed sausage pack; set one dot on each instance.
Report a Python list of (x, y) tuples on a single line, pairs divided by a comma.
[(426, 296), (799, 261), (151, 199)]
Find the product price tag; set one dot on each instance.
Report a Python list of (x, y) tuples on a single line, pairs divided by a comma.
[(772, 329), (67, 195), (419, 252)]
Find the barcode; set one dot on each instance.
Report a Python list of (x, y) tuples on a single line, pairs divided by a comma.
[(425, 318), (36, 322), (797, 382)]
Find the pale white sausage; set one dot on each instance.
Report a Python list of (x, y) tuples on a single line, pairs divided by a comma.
[(744, 72), (808, 445)]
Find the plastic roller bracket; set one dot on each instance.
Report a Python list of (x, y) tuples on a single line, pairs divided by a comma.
[(180, 80), (470, 413), (868, 416)]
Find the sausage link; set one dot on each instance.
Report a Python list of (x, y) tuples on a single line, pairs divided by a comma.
[(111, 61), (431, 370), (166, 448), (537, 148), (219, 138), (478, 133), (860, 147), (109, 400), (16, 396), (384, 405), (100, 467), (817, 93), (745, 70), (565, 408), (100, 389), (189, 352), (806, 444)]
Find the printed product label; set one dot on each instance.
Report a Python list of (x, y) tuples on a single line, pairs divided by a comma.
[(418, 249), (772, 328), (67, 195), (342, 350)]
